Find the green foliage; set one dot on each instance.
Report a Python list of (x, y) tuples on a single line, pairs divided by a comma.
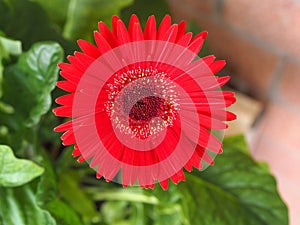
[(18, 207), (47, 186), (78, 18), (16, 172), (33, 77), (27, 85), (7, 47), (82, 204), (27, 21)]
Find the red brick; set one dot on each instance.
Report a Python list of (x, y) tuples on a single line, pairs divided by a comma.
[(281, 125), (275, 21), (282, 160), (206, 6), (290, 83), (289, 191), (202, 6)]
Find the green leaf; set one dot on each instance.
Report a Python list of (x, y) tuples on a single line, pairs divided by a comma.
[(5, 108), (47, 186), (63, 213), (135, 205), (65, 160), (50, 139), (168, 214), (237, 190), (169, 209), (115, 212), (18, 207), (83, 16), (15, 172), (27, 21), (130, 195), (7, 47), (122, 206), (78, 199), (47, 196), (31, 81)]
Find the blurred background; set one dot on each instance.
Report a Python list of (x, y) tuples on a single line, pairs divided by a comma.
[(260, 41)]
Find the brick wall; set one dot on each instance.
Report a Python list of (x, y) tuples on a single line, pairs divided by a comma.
[(260, 40)]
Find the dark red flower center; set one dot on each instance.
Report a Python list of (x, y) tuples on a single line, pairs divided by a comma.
[(147, 108), (142, 102)]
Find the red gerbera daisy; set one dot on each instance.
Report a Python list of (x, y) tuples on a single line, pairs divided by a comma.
[(143, 103)]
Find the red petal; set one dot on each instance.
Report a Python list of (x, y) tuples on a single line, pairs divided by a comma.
[(195, 160), (164, 184), (196, 45), (65, 99), (217, 114), (216, 66), (75, 61), (203, 35), (185, 40), (164, 25), (220, 82), (64, 127), (230, 101), (84, 59), (64, 111), (76, 151), (209, 59), (228, 94), (107, 35), (137, 33), (114, 24), (122, 34), (68, 138), (230, 116), (177, 177), (170, 35), (151, 186), (150, 29), (211, 123), (133, 19), (80, 159), (98, 175), (181, 29), (66, 86), (70, 72), (101, 42), (89, 49), (223, 80)]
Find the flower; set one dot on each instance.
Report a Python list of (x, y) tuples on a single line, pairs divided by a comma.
[(142, 103)]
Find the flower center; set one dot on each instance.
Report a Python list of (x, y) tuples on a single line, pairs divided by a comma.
[(142, 102), (147, 108)]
